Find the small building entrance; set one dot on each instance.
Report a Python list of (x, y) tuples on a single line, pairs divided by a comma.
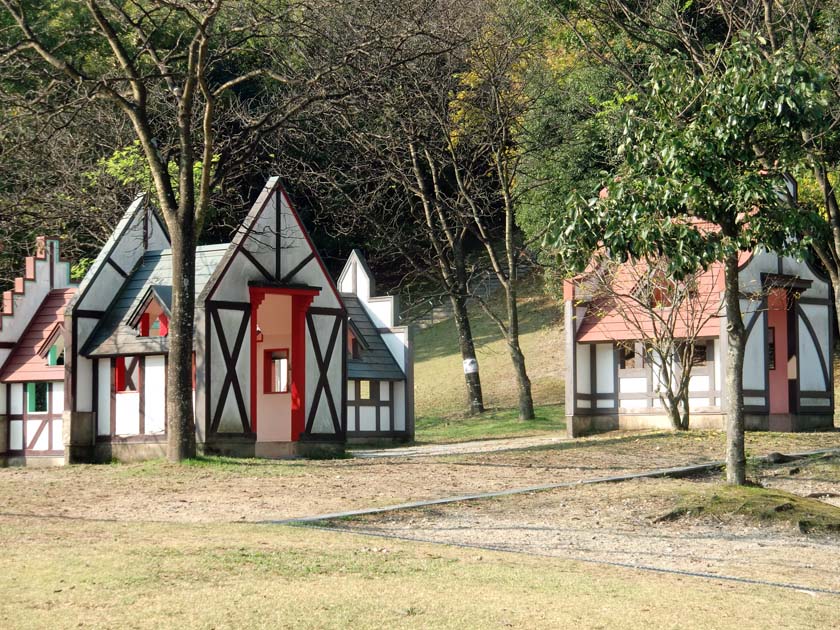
[(278, 362)]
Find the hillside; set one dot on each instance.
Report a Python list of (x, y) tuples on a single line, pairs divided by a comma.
[(439, 381)]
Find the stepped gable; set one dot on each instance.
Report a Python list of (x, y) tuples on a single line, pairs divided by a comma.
[(32, 310), (7, 305)]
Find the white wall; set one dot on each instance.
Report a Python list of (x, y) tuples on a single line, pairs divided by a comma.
[(103, 413), (605, 368), (230, 421), (16, 402), (754, 359), (810, 368), (323, 325), (381, 310), (57, 396), (127, 411), (584, 385), (16, 435), (154, 388)]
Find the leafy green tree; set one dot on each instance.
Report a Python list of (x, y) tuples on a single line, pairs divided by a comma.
[(703, 179)]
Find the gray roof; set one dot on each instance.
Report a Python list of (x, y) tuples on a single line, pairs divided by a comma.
[(113, 335), (376, 362)]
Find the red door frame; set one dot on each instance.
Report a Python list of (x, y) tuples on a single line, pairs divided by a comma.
[(777, 318), (301, 300)]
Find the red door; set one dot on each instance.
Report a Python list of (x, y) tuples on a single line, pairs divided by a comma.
[(777, 350)]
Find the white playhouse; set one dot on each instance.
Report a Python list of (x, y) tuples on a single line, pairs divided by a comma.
[(282, 356), (788, 377), (32, 351)]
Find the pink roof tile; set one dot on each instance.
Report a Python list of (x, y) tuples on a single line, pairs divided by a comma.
[(25, 364)]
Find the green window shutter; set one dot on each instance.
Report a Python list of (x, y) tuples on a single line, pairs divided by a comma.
[(30, 397), (53, 355)]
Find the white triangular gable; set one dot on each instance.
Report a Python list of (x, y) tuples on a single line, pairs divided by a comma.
[(260, 252)]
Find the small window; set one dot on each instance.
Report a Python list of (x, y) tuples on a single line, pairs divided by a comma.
[(125, 374), (364, 390), (700, 355), (771, 347), (37, 397), (354, 348), (153, 327), (56, 354), (628, 358), (277, 371)]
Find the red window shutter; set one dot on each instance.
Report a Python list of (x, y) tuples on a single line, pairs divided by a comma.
[(119, 374), (144, 325)]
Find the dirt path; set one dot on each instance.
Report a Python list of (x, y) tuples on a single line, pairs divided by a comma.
[(460, 448), (263, 490)]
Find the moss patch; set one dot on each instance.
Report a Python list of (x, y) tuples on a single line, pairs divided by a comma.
[(756, 505)]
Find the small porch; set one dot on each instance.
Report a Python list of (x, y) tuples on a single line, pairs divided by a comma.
[(278, 366)]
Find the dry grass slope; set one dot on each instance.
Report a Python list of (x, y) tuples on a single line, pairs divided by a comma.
[(439, 379)]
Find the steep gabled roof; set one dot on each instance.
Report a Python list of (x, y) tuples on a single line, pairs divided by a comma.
[(246, 230), (114, 335), (136, 207), (25, 363), (376, 361)]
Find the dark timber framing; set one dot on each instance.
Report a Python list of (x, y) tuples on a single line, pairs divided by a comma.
[(323, 359), (230, 356), (47, 419)]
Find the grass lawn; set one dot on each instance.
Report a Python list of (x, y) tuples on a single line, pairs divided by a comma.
[(493, 424), (439, 389), (61, 574)]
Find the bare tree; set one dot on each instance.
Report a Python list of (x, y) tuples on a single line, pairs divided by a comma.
[(667, 318), (382, 160), (488, 141)]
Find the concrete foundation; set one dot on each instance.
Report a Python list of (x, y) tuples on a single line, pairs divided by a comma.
[(381, 441), (79, 437), (588, 424), (276, 450), (32, 461), (127, 452)]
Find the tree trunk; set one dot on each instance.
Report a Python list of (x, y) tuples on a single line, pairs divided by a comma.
[(736, 469), (685, 417), (674, 413), (180, 423), (835, 287), (526, 401), (475, 399)]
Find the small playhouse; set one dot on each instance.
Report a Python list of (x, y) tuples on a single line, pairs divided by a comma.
[(787, 379), (283, 356), (32, 355)]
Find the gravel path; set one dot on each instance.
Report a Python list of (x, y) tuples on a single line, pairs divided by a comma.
[(461, 448), (615, 523)]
